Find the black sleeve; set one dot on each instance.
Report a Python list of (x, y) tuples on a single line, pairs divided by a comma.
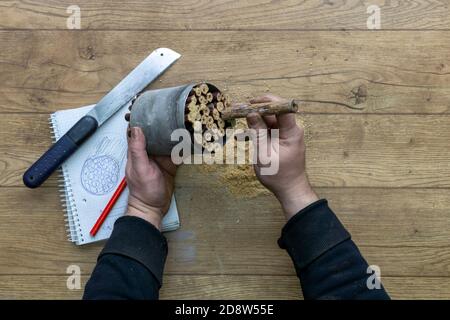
[(326, 260), (131, 264)]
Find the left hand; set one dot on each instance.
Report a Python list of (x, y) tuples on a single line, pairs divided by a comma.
[(150, 180)]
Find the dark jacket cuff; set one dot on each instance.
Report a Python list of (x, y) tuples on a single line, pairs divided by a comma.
[(311, 232), (138, 239)]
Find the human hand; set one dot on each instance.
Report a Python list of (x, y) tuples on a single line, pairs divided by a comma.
[(290, 184), (150, 180)]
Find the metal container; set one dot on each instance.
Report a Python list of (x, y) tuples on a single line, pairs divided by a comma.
[(159, 113)]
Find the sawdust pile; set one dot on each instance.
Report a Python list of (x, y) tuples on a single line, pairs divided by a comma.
[(240, 179)]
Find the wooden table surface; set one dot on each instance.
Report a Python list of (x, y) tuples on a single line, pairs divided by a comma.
[(385, 169)]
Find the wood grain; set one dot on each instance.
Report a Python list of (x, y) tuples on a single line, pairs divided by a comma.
[(217, 287), (381, 72), (223, 15), (405, 233), (384, 168), (385, 151)]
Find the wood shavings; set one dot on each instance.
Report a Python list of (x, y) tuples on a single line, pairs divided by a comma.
[(240, 180)]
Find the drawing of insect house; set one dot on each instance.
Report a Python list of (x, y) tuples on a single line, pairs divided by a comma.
[(100, 172)]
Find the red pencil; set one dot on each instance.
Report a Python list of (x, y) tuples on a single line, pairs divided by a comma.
[(108, 207)]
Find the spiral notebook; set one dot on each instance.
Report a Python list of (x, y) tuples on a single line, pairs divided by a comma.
[(90, 176)]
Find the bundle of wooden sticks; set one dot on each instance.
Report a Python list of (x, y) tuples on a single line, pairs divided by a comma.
[(203, 113)]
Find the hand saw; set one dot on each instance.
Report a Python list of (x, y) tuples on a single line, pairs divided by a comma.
[(146, 72)]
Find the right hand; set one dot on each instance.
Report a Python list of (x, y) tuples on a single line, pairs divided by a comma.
[(290, 184)]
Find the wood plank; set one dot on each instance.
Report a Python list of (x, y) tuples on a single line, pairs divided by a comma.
[(217, 287), (381, 72), (405, 233), (342, 150), (222, 14)]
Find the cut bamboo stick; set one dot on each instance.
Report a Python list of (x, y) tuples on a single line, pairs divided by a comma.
[(197, 125), (198, 91), (207, 135), (191, 98), (220, 123), (219, 106), (192, 107), (210, 147), (215, 114), (191, 117), (217, 96), (241, 110), (204, 88), (202, 99), (205, 109), (209, 97), (204, 119), (198, 138)]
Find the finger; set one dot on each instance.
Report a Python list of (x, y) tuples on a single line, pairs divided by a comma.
[(271, 121), (260, 136), (255, 121), (286, 124), (137, 152)]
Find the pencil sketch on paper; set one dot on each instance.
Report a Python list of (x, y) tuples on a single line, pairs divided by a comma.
[(100, 171)]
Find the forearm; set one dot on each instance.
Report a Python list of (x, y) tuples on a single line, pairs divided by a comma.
[(131, 264), (327, 261)]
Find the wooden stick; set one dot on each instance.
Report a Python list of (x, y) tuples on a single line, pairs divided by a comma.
[(202, 99), (204, 87), (192, 107), (209, 97), (208, 136), (226, 103), (215, 114), (205, 119), (204, 109), (191, 99), (191, 117), (197, 126), (241, 110), (217, 96), (198, 91), (221, 123), (219, 106)]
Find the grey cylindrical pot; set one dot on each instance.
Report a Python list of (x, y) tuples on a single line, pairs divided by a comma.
[(159, 113)]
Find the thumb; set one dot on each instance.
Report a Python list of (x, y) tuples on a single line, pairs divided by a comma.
[(137, 152)]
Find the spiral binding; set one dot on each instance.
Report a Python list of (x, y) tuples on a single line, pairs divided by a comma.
[(72, 222)]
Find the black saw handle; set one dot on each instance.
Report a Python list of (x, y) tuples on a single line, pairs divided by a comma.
[(59, 152)]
